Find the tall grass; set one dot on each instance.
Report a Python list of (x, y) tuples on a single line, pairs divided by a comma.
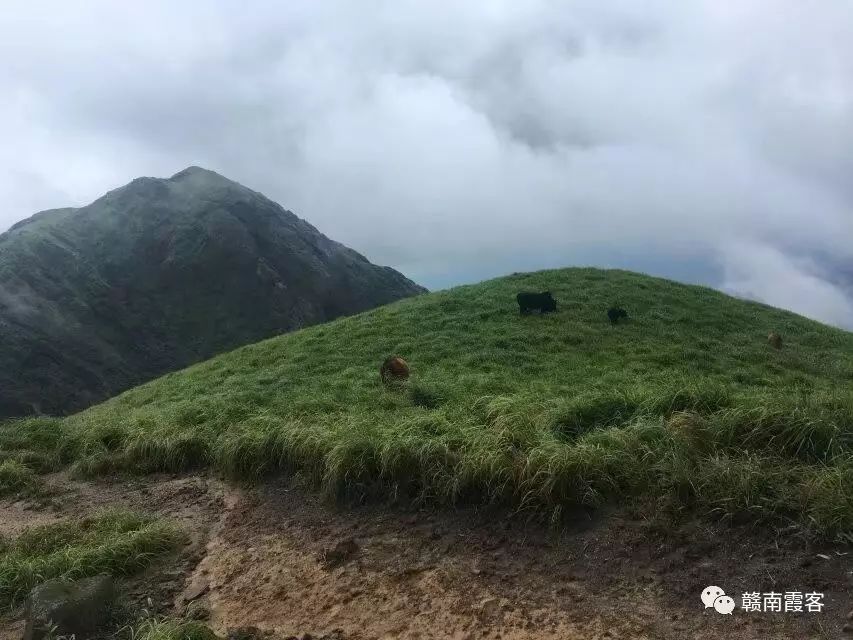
[(116, 542), (16, 479), (685, 405)]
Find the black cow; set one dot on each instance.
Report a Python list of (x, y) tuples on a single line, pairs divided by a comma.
[(543, 301), (614, 313)]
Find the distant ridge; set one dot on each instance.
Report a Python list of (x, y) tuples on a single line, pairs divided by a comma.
[(156, 275)]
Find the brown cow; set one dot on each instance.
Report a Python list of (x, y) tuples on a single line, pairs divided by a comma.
[(394, 368), (774, 340)]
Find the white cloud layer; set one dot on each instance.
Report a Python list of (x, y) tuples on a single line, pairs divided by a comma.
[(707, 141), (768, 275)]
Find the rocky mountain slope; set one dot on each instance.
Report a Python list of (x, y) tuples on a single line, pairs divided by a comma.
[(157, 275)]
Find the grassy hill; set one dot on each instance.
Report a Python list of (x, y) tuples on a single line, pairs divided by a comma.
[(684, 408)]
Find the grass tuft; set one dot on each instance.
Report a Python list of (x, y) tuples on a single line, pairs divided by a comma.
[(169, 629), (17, 479), (425, 396), (115, 542)]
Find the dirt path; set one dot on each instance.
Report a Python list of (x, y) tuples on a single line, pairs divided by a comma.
[(278, 559)]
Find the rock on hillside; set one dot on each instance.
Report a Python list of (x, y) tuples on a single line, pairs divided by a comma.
[(157, 275)]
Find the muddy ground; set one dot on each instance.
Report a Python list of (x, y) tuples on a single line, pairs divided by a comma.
[(279, 558)]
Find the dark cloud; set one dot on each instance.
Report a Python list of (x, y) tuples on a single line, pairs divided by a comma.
[(705, 141)]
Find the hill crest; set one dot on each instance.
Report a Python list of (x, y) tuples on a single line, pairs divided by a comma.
[(684, 408)]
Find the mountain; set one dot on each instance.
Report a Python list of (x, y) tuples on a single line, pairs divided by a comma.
[(157, 275), (682, 406)]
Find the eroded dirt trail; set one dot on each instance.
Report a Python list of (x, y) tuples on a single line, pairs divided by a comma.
[(279, 559), (290, 564), (480, 574)]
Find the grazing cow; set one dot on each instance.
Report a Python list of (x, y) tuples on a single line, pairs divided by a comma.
[(614, 313), (774, 340), (394, 368), (543, 301)]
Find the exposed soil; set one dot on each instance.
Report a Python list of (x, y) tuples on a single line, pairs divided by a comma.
[(279, 559)]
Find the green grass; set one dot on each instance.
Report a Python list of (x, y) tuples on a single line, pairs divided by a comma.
[(117, 542), (37, 462), (17, 479), (169, 629), (684, 406)]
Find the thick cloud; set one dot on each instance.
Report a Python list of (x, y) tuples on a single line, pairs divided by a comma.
[(798, 284), (705, 141)]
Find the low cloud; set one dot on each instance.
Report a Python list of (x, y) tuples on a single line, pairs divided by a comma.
[(765, 274), (704, 141)]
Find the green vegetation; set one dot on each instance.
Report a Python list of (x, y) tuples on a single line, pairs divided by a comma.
[(118, 543), (20, 469), (170, 629), (17, 479), (684, 407), (34, 461)]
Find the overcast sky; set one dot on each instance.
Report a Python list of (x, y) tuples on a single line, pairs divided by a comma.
[(708, 141)]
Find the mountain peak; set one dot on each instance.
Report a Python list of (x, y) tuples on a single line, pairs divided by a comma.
[(158, 274), (194, 170)]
